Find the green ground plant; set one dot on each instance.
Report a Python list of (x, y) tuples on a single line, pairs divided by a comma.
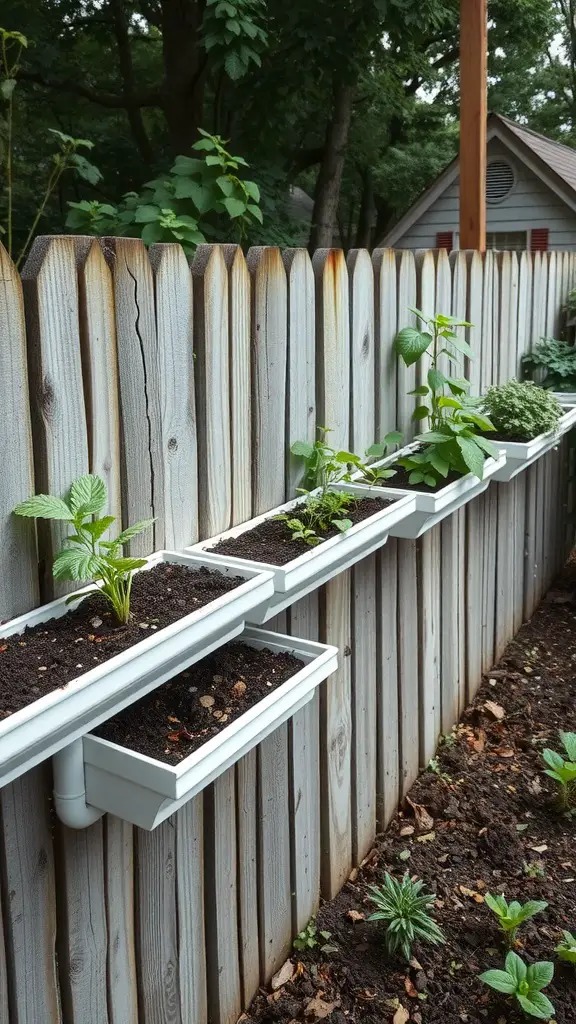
[(563, 769), (406, 910), (86, 556), (566, 949), (511, 915), (325, 509), (525, 983), (556, 360)]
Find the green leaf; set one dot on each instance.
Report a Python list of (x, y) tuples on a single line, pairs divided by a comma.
[(537, 1005), (410, 344), (44, 506), (540, 974), (74, 564), (200, 195), (421, 412), (133, 531), (87, 495), (432, 437), (235, 207), (97, 528), (226, 185), (568, 740), (7, 88), (436, 379), (440, 465), (303, 449), (501, 981), (393, 437), (422, 390), (515, 967), (556, 761), (256, 212), (461, 345), (234, 66), (487, 446), (342, 524), (472, 456), (152, 233), (252, 190), (146, 214), (127, 564), (530, 909), (186, 165)]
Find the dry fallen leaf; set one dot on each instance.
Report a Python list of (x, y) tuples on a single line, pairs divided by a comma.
[(206, 700), (410, 990), (428, 838), (407, 830), (355, 915), (283, 976), (471, 892), (318, 1009), (503, 752), (424, 820), (495, 709), (239, 688), (401, 1016), (478, 742), (539, 849)]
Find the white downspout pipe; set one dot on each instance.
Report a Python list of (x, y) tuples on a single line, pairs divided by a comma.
[(69, 788)]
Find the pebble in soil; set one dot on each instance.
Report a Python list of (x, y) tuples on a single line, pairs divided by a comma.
[(489, 823), (48, 656)]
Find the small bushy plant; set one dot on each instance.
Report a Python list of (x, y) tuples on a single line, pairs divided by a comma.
[(405, 908), (561, 769), (310, 937), (525, 983), (521, 410), (323, 467), (557, 360), (512, 915), (88, 558)]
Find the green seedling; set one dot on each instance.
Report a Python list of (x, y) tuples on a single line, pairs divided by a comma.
[(88, 557), (567, 948), (308, 937), (325, 509), (534, 869), (374, 475), (405, 909), (525, 983), (563, 771), (512, 915)]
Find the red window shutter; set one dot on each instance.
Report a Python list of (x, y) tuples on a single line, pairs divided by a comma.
[(539, 240), (445, 240)]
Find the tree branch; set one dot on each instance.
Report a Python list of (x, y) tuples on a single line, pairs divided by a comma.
[(120, 102)]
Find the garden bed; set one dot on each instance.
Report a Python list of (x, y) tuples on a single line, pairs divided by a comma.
[(485, 822)]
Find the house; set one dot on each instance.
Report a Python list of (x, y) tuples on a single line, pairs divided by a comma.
[(530, 197)]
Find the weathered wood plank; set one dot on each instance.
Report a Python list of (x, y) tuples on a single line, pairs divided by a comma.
[(18, 559), (430, 636), (158, 980), (247, 816), (406, 375), (142, 463), (269, 347), (119, 867), (191, 912), (386, 317), (408, 664), (176, 496), (240, 394), (58, 413), (212, 390), (30, 913), (301, 370), (388, 712), (274, 853), (221, 896)]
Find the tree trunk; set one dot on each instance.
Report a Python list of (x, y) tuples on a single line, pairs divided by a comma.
[(367, 211), (330, 177), (184, 67), (133, 113)]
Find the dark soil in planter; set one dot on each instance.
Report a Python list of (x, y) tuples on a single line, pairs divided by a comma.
[(181, 715), (400, 480), (496, 435), (271, 541), (49, 655), (492, 826)]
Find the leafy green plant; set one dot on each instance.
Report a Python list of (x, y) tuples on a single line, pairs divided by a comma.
[(455, 441), (66, 158), (561, 770), (88, 558), (232, 34), (521, 410), (323, 467), (512, 915), (525, 983), (374, 475), (200, 198), (566, 949), (405, 908), (310, 937), (557, 360)]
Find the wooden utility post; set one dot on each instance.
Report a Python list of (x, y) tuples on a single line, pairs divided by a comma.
[(473, 114)]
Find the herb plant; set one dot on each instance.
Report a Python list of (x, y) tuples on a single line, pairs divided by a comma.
[(374, 475), (567, 948), (323, 466), (512, 915), (455, 441), (561, 770), (88, 557), (525, 983), (521, 410), (405, 908), (310, 937), (557, 359)]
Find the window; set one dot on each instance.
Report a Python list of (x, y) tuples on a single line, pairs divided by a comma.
[(499, 181), (507, 241)]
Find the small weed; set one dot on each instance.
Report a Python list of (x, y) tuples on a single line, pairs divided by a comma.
[(405, 908), (534, 869), (525, 983), (512, 915), (308, 937), (435, 766)]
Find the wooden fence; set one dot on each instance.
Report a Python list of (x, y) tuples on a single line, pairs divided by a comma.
[(183, 388)]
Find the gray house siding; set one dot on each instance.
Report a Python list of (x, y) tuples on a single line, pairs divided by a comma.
[(530, 204)]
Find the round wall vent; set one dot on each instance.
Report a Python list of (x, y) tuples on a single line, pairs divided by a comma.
[(499, 181)]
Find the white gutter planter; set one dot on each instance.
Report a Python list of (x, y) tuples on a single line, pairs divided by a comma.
[(568, 419), (431, 507), (145, 791), (520, 455), (319, 564), (43, 727), (565, 398)]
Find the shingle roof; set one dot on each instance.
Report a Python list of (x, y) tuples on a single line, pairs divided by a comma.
[(559, 158)]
